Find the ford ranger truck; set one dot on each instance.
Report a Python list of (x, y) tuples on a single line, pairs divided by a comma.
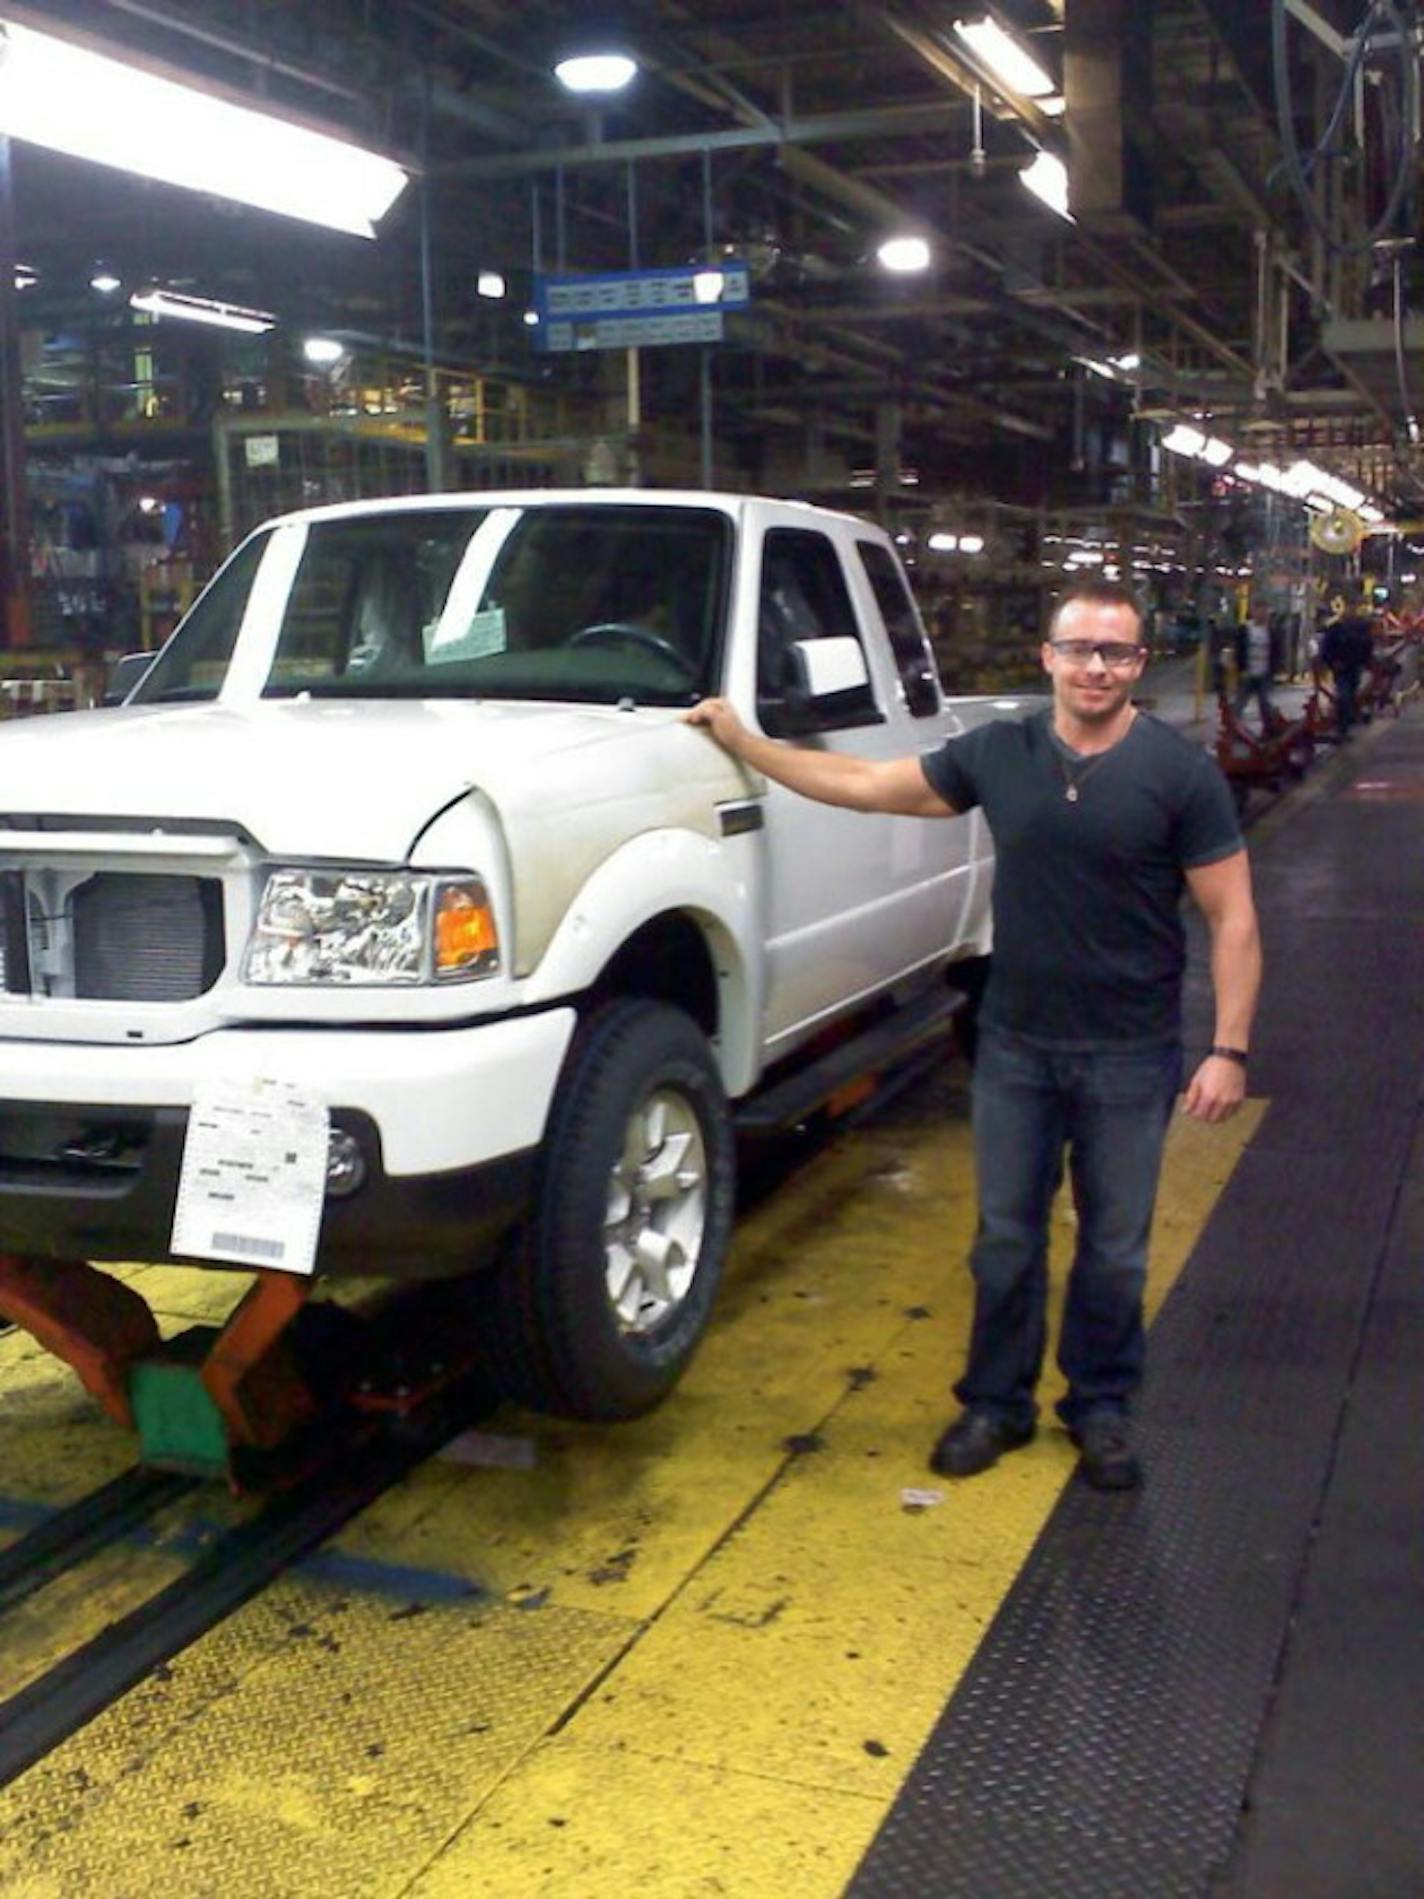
[(405, 817)]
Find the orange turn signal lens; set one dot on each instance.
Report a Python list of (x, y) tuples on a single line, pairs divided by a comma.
[(466, 941)]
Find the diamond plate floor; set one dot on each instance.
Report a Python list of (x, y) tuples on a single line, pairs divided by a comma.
[(1146, 1681)]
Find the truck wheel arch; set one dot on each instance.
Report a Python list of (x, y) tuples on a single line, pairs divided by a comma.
[(665, 923)]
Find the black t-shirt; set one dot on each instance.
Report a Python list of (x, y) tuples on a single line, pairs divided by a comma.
[(1088, 940)]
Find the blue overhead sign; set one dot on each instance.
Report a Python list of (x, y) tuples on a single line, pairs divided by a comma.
[(636, 309)]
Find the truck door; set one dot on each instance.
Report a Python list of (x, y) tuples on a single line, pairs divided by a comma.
[(933, 864), (838, 881)]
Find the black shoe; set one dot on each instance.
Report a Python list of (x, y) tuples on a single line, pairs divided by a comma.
[(1108, 1460), (976, 1441)]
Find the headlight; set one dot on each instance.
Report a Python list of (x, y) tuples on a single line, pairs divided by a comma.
[(371, 927)]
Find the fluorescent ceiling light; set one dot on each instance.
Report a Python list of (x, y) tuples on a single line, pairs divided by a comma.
[(105, 282), (490, 284), (1054, 106), (596, 72), (1302, 479), (971, 543), (26, 276), (531, 318), (1047, 179), (1005, 57), (219, 316), (69, 99), (708, 285), (1216, 453), (943, 543), (1105, 370), (1184, 440), (903, 254), (1127, 363), (1373, 515), (323, 351)]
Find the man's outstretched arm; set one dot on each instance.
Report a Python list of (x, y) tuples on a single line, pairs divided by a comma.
[(1222, 892), (896, 785)]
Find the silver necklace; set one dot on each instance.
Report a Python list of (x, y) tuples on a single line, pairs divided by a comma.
[(1072, 778)]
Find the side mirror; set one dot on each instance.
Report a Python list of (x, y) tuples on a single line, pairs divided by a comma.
[(824, 669), (827, 687), (124, 675)]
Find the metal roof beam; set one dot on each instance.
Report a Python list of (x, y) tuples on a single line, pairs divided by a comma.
[(870, 123)]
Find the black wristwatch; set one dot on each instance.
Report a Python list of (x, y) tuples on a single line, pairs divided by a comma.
[(1237, 1055)]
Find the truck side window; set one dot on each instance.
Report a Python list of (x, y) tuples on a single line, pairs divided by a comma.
[(914, 662), (803, 597)]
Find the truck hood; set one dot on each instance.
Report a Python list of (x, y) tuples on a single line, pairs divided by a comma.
[(361, 780)]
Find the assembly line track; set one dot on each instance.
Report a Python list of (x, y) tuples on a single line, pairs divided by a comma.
[(82, 1529), (229, 1573)]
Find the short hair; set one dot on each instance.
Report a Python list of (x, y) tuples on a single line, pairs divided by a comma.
[(1098, 593)]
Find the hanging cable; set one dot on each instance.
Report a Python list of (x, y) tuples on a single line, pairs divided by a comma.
[(1411, 424), (1299, 166)]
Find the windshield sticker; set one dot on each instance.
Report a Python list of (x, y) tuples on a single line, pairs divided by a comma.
[(479, 636)]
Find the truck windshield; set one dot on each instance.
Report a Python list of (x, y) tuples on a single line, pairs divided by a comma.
[(594, 602)]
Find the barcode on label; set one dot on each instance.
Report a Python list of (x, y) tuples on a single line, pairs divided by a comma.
[(247, 1243)]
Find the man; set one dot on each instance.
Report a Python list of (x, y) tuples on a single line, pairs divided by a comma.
[(1100, 816), (1253, 660), (1347, 647)]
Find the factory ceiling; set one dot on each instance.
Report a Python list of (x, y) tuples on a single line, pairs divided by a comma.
[(1190, 281)]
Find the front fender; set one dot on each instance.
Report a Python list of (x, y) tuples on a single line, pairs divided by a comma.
[(716, 885)]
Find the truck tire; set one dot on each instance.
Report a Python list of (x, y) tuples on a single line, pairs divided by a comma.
[(602, 1299)]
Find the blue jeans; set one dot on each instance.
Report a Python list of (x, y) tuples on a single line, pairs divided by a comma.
[(1110, 1108)]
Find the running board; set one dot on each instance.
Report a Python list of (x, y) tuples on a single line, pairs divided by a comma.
[(912, 1030)]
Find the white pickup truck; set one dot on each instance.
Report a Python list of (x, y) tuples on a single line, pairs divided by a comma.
[(405, 814)]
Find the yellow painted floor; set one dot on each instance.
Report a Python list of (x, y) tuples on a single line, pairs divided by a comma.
[(706, 1647)]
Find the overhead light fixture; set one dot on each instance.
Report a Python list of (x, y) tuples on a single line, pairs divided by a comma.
[(71, 99), (1047, 179), (105, 282), (1302, 479), (943, 543), (1127, 363), (1184, 440), (708, 285), (323, 352), (489, 284), (1373, 515), (1006, 57), (1216, 453), (26, 276), (531, 319), (217, 315), (971, 543), (596, 72), (904, 254)]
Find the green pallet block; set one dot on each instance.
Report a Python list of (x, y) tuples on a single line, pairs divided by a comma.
[(179, 1426)]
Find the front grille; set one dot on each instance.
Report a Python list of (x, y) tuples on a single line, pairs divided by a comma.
[(145, 938)]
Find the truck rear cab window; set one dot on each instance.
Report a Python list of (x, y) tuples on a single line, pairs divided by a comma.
[(804, 597), (914, 662)]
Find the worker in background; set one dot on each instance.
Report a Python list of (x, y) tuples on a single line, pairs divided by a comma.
[(1253, 665), (1100, 814), (1347, 647)]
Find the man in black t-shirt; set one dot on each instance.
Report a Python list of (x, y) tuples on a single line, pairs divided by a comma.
[(1347, 647), (1101, 817)]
